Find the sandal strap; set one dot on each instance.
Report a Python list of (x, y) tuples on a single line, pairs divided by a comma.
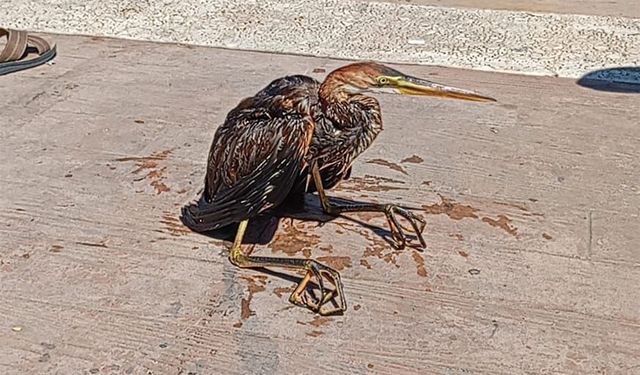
[(41, 45), (16, 44)]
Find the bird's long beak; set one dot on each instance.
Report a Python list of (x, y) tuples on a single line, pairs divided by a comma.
[(408, 85)]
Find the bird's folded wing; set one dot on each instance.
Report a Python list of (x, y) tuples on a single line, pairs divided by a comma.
[(252, 166)]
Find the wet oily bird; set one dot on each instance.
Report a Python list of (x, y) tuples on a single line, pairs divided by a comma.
[(299, 136)]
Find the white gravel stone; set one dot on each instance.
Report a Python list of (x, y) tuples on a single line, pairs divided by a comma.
[(521, 42)]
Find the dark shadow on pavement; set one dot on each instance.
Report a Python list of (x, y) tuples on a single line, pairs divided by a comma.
[(262, 229), (621, 80)]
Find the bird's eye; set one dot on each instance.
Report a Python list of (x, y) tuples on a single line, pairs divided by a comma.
[(383, 80)]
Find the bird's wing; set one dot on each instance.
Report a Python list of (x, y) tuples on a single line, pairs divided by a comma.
[(254, 159)]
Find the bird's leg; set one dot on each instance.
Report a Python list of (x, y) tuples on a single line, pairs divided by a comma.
[(390, 210), (300, 296)]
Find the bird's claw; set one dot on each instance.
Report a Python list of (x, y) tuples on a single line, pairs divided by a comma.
[(302, 297), (397, 229)]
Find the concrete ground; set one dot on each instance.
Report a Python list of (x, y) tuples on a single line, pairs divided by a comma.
[(532, 205)]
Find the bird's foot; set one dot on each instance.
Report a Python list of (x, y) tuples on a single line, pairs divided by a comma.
[(304, 297), (398, 230)]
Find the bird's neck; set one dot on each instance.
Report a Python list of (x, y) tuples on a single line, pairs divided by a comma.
[(348, 110), (356, 120)]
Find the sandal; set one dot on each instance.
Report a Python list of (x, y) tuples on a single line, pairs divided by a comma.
[(19, 45)]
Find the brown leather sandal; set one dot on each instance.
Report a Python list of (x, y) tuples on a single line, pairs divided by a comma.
[(13, 57)]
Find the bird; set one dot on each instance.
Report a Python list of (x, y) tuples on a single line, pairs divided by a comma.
[(296, 136)]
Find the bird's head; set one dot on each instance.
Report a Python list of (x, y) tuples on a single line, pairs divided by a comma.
[(373, 77)]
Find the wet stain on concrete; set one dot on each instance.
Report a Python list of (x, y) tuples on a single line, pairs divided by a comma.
[(514, 205), (256, 284), (503, 223), (338, 263), (368, 216), (160, 155), (412, 159), (458, 211), (365, 263), (284, 291), (524, 210), (151, 165), (160, 187), (377, 247), (451, 208), (370, 183), (102, 244), (319, 321), (173, 225), (388, 164), (326, 248), (291, 240), (378, 250), (421, 270), (56, 248)]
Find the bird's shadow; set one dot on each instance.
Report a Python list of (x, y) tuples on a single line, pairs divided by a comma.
[(262, 229), (620, 80)]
